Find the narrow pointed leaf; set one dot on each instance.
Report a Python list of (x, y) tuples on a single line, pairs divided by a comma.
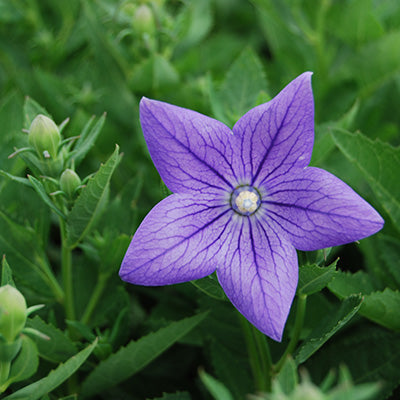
[(379, 162), (6, 273), (87, 139), (328, 327), (287, 377), (17, 179), (41, 191), (90, 201), (54, 379), (136, 355), (216, 388)]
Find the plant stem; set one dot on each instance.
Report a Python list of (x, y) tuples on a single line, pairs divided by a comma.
[(66, 267), (298, 326), (97, 292), (52, 282), (259, 356)]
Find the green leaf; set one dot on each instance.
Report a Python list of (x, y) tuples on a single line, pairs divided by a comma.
[(87, 139), (6, 273), (26, 363), (216, 388), (313, 278), (89, 203), (59, 348), (41, 191), (210, 287), (136, 355), (383, 308), (17, 179), (379, 162), (327, 327), (244, 82), (346, 284), (54, 379), (287, 377), (31, 110)]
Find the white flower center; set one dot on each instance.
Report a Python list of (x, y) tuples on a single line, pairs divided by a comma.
[(245, 200)]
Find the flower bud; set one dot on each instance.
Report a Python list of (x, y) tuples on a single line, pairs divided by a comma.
[(44, 136), (12, 312), (143, 20), (69, 182)]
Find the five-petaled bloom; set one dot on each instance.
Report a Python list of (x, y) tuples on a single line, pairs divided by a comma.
[(244, 200)]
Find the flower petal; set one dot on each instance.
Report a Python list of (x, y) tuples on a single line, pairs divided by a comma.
[(260, 275), (191, 152), (318, 210), (276, 137), (178, 241)]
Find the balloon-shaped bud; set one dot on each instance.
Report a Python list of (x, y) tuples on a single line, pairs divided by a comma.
[(69, 182), (12, 312), (143, 20), (44, 136)]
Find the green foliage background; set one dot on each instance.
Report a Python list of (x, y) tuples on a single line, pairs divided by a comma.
[(219, 57)]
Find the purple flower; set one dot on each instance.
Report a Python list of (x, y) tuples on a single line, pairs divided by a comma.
[(244, 200)]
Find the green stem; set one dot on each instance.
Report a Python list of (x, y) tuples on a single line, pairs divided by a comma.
[(52, 282), (259, 356), (94, 299), (298, 326), (66, 267)]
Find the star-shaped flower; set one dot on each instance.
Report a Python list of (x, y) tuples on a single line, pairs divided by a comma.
[(244, 200)]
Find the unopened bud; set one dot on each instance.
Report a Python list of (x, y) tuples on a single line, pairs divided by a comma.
[(44, 136), (143, 19), (12, 312), (69, 182)]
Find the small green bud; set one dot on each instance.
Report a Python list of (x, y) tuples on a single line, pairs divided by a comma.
[(143, 20), (44, 136), (12, 312), (69, 182)]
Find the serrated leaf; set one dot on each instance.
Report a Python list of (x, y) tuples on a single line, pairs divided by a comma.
[(241, 88), (6, 273), (26, 363), (89, 202), (327, 327), (59, 348), (313, 278), (346, 284), (136, 355), (54, 379), (31, 110), (379, 162), (287, 377), (215, 388), (87, 139), (41, 191)]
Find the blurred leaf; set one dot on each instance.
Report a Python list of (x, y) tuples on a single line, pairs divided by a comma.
[(87, 139), (92, 197), (313, 278), (31, 110), (210, 287), (216, 388), (26, 362), (6, 273), (244, 82), (59, 348), (136, 355), (287, 377), (327, 327), (56, 377), (379, 162)]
